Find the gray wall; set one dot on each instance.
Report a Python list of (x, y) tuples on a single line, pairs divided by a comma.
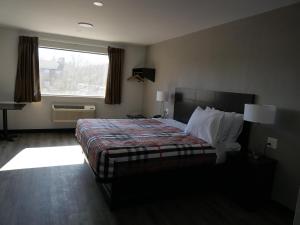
[(259, 55), (38, 115)]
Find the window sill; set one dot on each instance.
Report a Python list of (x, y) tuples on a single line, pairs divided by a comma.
[(73, 96)]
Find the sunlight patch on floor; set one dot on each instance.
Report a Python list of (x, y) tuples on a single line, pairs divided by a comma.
[(45, 157)]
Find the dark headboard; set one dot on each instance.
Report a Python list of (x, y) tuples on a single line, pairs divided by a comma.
[(186, 100)]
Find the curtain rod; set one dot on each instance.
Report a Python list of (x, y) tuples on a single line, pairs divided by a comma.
[(74, 43)]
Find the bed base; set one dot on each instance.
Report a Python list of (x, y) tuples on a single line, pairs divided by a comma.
[(163, 185)]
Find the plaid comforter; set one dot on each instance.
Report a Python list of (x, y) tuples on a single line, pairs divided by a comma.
[(110, 141)]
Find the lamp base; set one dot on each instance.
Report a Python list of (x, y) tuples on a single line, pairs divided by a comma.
[(256, 156)]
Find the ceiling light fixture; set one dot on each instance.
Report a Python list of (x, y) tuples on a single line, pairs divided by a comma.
[(98, 4), (85, 25)]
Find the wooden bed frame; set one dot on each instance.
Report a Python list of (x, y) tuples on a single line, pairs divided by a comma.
[(141, 187)]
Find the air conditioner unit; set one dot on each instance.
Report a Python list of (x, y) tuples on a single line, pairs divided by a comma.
[(71, 113)]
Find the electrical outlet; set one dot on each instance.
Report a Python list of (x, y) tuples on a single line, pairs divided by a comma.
[(272, 142)]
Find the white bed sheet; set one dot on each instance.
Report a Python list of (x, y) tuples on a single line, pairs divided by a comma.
[(173, 123)]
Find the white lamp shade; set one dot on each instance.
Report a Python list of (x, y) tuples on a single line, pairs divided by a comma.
[(264, 114), (162, 96)]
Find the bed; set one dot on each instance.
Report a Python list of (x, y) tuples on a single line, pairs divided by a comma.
[(130, 155), (108, 143)]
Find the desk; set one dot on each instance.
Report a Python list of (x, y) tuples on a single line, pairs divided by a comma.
[(5, 107)]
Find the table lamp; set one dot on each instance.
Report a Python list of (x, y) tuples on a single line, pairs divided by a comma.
[(162, 97)]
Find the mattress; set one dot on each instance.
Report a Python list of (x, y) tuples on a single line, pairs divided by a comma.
[(152, 144)]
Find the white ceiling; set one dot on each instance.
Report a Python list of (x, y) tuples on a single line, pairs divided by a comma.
[(130, 21)]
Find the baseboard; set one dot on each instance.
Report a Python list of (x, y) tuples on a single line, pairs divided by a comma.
[(54, 130)]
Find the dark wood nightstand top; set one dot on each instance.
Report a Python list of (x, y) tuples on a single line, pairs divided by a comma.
[(242, 157), (137, 116), (261, 160)]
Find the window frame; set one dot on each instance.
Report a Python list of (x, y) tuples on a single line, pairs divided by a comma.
[(71, 50)]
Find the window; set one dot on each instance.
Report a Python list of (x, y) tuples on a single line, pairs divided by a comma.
[(72, 73)]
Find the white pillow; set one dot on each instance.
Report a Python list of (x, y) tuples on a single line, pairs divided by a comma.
[(205, 124), (225, 127), (236, 128), (194, 118), (231, 126)]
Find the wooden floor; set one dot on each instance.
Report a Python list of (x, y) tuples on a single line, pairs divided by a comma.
[(69, 195)]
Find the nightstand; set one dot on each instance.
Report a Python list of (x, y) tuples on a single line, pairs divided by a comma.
[(249, 181), (136, 116)]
